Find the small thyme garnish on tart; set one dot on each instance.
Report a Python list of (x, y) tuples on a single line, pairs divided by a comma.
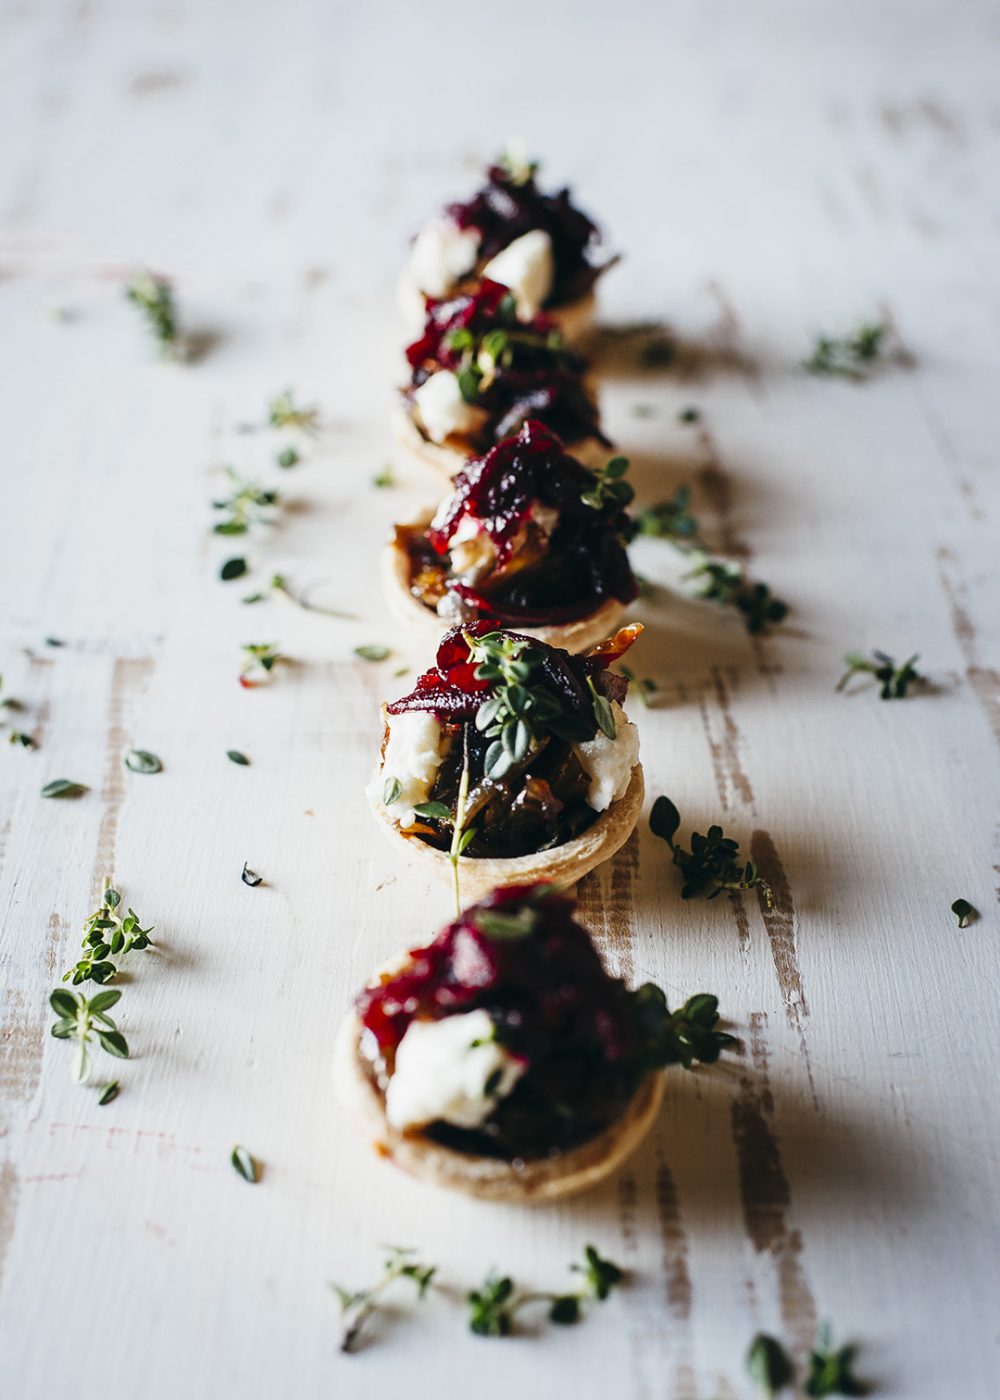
[(357, 1306), (895, 680), (713, 864), (848, 357), (81, 1020), (154, 297), (610, 487), (494, 1305), (246, 505)]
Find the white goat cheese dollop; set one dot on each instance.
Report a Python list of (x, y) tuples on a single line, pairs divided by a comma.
[(442, 409), (527, 266), (441, 255), (609, 762), (443, 1070), (412, 756)]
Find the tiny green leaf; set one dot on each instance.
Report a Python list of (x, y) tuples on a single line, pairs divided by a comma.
[(372, 653), (63, 787), (768, 1364), (245, 1165), (109, 1092), (963, 911), (391, 791), (142, 761), (433, 811), (250, 877), (384, 479), (288, 457), (235, 756), (233, 568)]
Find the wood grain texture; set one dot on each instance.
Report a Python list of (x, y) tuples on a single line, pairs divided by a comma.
[(770, 170)]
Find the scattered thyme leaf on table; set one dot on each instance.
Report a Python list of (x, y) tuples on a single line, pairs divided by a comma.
[(895, 680), (245, 1165), (713, 863), (283, 412), (108, 934), (81, 1020), (831, 1369), (261, 659), (964, 911), (154, 297), (250, 877), (235, 756), (643, 687), (288, 457), (848, 357), (64, 787), (372, 653), (768, 1365), (357, 1306), (142, 761), (689, 415), (493, 1306), (109, 1093), (384, 479), (247, 504), (233, 568)]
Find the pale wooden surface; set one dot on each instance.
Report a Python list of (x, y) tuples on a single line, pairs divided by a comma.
[(770, 170)]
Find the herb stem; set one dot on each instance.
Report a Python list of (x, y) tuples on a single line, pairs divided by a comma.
[(454, 854)]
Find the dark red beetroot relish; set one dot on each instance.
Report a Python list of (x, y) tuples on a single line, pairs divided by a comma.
[(586, 561), (451, 691), (543, 986), (505, 208), (533, 372)]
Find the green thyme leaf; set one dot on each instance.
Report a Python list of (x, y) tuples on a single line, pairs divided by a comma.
[(109, 1093), (391, 791), (372, 653), (288, 457), (831, 1369), (894, 680), (963, 912), (63, 787), (768, 1365), (433, 811), (142, 761), (244, 1164), (250, 877), (233, 568), (235, 756), (689, 415), (154, 297), (384, 479), (849, 357)]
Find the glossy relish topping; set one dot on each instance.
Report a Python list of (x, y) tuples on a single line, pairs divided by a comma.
[(510, 204), (584, 1039), (513, 711), (508, 369), (551, 546)]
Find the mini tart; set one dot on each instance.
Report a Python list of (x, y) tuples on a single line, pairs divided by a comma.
[(489, 1178), (449, 457), (581, 635), (561, 865)]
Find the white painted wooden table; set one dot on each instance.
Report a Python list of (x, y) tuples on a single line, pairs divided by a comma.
[(770, 170)]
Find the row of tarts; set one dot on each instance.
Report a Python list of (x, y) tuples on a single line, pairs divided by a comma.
[(502, 1059)]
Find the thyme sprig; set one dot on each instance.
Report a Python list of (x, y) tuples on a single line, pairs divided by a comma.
[(81, 1020), (358, 1306), (154, 297), (610, 486), (484, 356), (895, 680), (683, 1036), (494, 1305), (851, 356), (247, 504), (108, 934), (283, 412), (719, 580), (518, 715), (713, 863)]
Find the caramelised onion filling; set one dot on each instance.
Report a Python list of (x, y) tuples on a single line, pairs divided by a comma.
[(522, 539)]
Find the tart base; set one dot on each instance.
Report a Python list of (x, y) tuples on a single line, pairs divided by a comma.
[(562, 865), (580, 635), (488, 1178)]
